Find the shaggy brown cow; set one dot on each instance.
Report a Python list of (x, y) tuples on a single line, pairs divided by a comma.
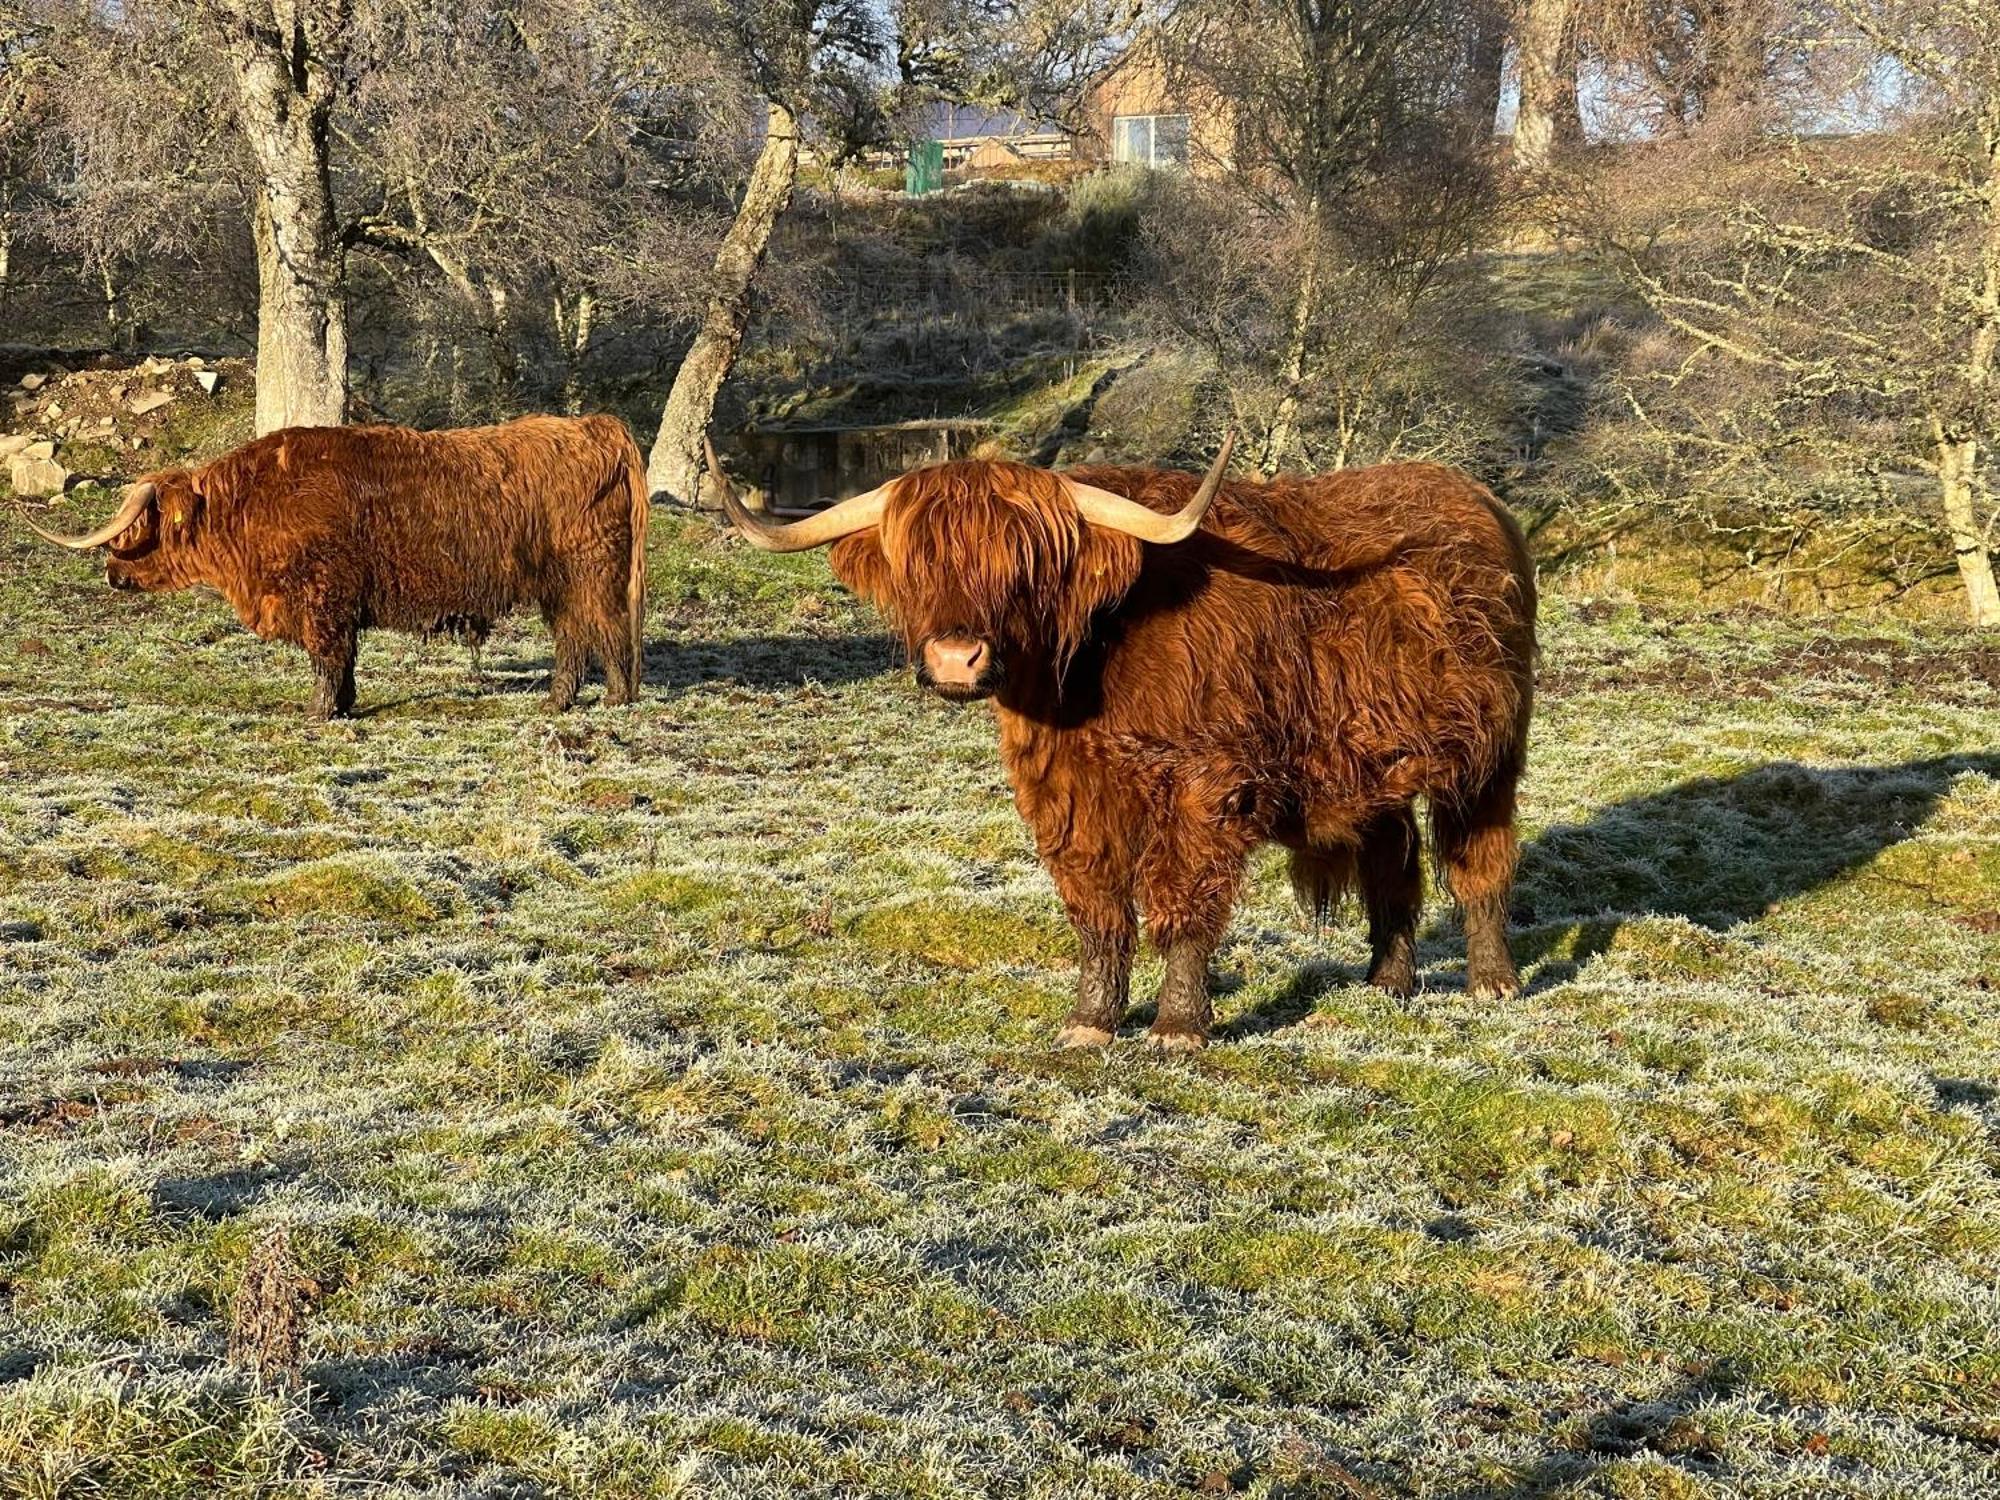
[(1176, 684), (314, 534)]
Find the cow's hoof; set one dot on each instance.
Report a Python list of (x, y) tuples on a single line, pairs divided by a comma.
[(1175, 1042), (1082, 1038), (1490, 990)]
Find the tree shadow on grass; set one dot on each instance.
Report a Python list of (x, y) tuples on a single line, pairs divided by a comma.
[(1662, 1426), (1720, 851)]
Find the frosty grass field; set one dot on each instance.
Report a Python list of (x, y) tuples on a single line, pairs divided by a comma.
[(659, 1102)]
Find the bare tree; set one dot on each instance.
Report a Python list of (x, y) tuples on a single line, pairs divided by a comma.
[(1670, 65), (256, 84), (517, 156), (789, 50), (1834, 299), (285, 62), (542, 158), (23, 80), (849, 67), (1314, 275)]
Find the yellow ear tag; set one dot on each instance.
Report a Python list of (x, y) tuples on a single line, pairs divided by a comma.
[(180, 518)]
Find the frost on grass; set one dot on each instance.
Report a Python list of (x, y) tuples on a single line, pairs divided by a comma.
[(658, 1102)]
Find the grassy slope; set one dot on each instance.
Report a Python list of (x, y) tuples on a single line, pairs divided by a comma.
[(659, 1104)]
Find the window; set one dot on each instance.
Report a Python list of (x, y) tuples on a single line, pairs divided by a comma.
[(1150, 140)]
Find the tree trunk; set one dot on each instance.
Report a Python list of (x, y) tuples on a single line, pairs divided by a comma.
[(674, 468), (1485, 63), (1545, 50), (506, 367), (575, 346), (286, 94), (1958, 450), (1284, 432), (1958, 485)]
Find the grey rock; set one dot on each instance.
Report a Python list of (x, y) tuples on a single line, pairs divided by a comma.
[(42, 478)]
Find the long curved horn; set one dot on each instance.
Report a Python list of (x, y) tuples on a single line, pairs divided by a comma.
[(830, 525), (1102, 508), (137, 498)]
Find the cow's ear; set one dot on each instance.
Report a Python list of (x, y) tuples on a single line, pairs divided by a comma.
[(1107, 565), (182, 509), (859, 562)]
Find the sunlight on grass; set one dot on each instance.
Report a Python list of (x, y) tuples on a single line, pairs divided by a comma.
[(659, 1100)]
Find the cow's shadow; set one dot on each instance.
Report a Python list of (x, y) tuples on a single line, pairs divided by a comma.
[(1723, 850), (1717, 850), (752, 660)]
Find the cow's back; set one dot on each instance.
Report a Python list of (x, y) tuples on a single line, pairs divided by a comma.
[(1370, 626), (473, 522)]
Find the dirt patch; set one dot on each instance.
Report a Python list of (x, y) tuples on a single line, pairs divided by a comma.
[(1878, 659), (1859, 667)]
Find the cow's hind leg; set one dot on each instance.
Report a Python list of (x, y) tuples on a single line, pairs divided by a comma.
[(333, 675), (1477, 847), (572, 661), (611, 642), (1390, 864)]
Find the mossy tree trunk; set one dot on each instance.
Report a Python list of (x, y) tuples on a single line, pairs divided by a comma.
[(285, 91), (674, 467), (1960, 479), (1545, 52)]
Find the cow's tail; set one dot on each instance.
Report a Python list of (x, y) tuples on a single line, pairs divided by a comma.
[(1321, 877), (639, 497)]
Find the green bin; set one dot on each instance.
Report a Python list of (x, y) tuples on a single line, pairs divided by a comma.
[(925, 172)]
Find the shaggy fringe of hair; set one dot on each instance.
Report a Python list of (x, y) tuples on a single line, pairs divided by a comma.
[(995, 549)]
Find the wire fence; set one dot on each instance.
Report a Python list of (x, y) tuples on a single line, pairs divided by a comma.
[(949, 288)]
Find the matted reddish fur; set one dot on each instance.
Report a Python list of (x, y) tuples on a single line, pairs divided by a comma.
[(316, 533), (1323, 652)]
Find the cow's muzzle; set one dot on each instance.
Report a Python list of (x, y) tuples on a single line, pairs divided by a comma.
[(960, 668)]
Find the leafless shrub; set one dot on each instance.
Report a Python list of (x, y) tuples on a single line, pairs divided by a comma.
[(1829, 304)]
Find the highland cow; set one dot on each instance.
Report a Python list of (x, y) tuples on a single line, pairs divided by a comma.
[(314, 534), (1184, 669)]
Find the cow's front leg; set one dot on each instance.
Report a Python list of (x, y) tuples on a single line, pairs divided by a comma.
[(1188, 887), (1093, 874), (1103, 986), (572, 662), (1185, 1012)]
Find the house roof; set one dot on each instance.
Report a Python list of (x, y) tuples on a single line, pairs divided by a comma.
[(961, 122)]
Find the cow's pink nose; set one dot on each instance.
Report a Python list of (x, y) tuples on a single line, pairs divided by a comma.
[(955, 661)]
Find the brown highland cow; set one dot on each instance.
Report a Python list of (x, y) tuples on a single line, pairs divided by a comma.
[(1183, 669), (314, 534)]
